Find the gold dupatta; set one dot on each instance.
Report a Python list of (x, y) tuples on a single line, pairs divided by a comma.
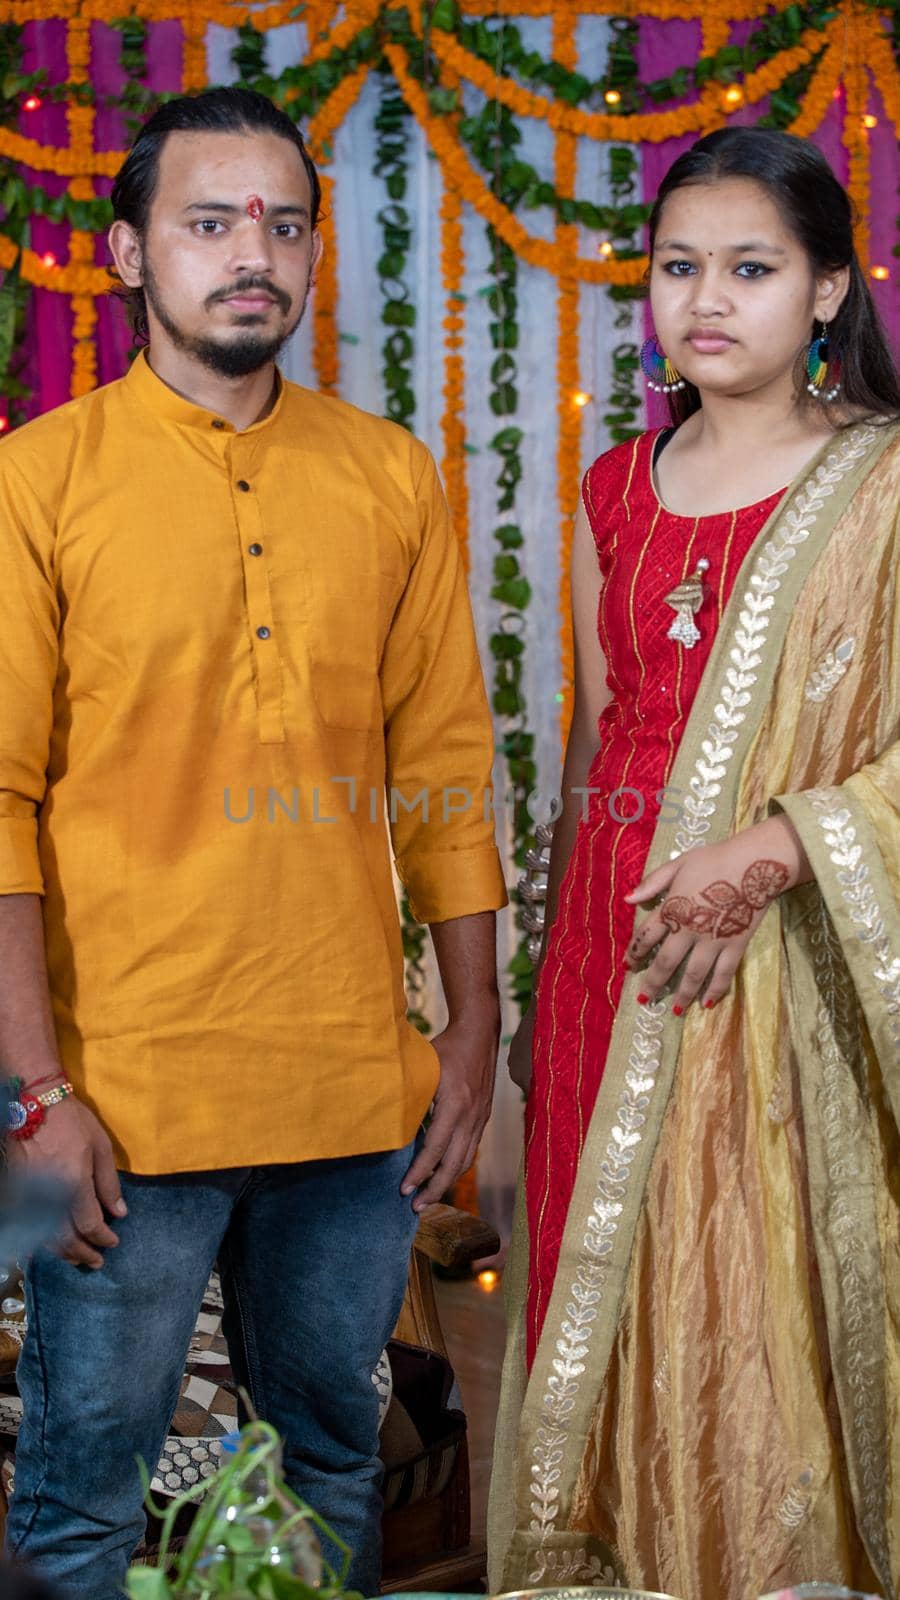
[(776, 682)]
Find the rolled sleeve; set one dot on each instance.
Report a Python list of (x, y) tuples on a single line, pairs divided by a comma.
[(438, 731), (29, 624)]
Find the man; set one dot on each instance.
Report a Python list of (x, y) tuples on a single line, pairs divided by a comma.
[(233, 617)]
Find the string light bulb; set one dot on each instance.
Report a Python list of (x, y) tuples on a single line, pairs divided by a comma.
[(881, 273), (613, 97), (49, 259), (868, 121), (488, 1280), (581, 398), (733, 97), (33, 103), (4, 424), (605, 249)]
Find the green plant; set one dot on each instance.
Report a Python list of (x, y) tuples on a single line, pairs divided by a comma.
[(244, 1536)]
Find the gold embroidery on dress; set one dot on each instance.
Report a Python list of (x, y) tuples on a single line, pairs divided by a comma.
[(552, 1433), (582, 1310), (859, 895), (828, 674), (838, 1042), (736, 694), (795, 1506)]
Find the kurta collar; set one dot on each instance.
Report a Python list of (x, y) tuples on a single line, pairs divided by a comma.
[(152, 392)]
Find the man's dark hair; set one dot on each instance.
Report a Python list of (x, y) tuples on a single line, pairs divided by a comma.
[(228, 110)]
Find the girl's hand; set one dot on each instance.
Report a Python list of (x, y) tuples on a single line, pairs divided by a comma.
[(715, 899), (520, 1050)]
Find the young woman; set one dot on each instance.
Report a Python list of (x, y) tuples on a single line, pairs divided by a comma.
[(702, 1386)]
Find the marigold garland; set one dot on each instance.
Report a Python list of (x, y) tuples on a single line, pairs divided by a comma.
[(855, 139), (459, 171), (322, 127), (80, 119), (326, 360), (193, 50), (453, 428), (653, 127)]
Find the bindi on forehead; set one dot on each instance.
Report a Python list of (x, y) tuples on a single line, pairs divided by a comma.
[(255, 208)]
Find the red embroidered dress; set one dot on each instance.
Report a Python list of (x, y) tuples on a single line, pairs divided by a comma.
[(644, 551)]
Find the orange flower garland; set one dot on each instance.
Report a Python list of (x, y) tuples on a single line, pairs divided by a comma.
[(193, 50), (458, 170), (453, 428), (654, 127), (326, 359), (820, 93), (856, 143), (81, 245)]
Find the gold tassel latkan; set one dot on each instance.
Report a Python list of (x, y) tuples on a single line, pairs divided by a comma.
[(686, 599)]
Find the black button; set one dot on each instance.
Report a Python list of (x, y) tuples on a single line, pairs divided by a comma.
[(218, 423), (255, 549), (243, 484), (263, 633)]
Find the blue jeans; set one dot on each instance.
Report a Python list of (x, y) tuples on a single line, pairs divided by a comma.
[(314, 1260)]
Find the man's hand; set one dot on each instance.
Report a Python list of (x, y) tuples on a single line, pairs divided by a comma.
[(467, 1050), (70, 1145), (715, 899)]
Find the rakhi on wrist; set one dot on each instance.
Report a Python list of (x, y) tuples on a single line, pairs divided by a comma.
[(26, 1112)]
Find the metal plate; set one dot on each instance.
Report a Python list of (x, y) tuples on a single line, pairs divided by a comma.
[(585, 1593)]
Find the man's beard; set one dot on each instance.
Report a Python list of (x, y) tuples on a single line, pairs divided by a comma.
[(249, 351)]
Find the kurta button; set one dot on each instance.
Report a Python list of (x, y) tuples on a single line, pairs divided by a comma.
[(243, 484), (262, 633), (218, 423), (255, 549)]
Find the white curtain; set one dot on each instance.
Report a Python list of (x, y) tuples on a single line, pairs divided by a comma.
[(358, 198)]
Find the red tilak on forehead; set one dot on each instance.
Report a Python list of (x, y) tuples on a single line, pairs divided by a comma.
[(255, 207)]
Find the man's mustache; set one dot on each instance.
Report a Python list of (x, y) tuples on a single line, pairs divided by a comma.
[(244, 285)]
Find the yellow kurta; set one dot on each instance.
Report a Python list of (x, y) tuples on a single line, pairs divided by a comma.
[(218, 650)]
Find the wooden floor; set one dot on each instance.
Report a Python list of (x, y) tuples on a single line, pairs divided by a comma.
[(474, 1329)]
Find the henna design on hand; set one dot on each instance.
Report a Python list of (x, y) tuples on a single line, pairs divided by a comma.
[(729, 910)]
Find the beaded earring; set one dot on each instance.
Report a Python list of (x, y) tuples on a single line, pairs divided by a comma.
[(661, 376), (823, 369)]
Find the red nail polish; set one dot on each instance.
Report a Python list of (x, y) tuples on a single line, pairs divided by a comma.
[(708, 1004), (677, 1011), (642, 999)]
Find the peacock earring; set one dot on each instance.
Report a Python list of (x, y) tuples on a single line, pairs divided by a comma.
[(823, 368), (661, 375)]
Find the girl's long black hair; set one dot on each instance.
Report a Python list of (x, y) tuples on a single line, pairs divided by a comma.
[(817, 210)]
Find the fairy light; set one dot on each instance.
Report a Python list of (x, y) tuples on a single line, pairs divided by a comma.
[(33, 103), (4, 424), (488, 1280), (581, 398), (613, 97), (733, 97), (868, 121), (605, 249), (880, 273), (49, 259)]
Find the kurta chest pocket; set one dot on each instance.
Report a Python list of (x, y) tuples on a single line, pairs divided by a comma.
[(346, 627)]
